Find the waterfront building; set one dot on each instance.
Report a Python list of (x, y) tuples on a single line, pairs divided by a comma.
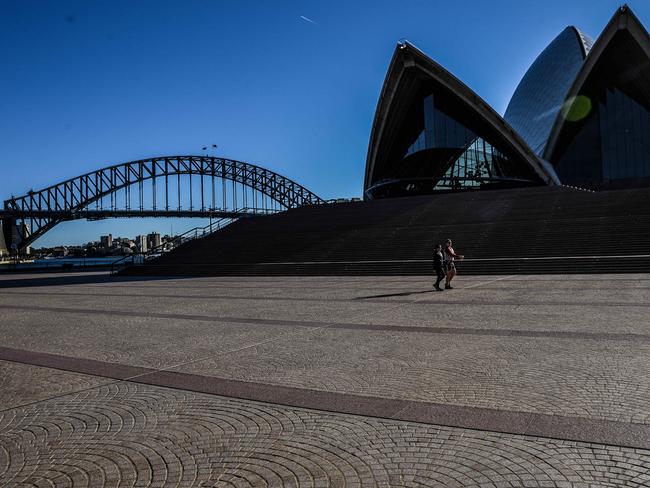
[(153, 240), (106, 241), (141, 243), (580, 116)]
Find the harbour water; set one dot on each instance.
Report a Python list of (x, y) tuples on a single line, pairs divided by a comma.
[(63, 263)]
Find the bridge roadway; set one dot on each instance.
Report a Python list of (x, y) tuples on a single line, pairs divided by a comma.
[(106, 213), (337, 381)]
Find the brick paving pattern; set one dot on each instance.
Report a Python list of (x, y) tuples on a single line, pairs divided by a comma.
[(573, 348), (132, 435), (20, 384)]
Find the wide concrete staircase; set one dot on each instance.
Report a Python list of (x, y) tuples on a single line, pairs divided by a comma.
[(531, 230)]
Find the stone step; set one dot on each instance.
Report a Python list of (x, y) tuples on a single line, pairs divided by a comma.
[(560, 265), (501, 232)]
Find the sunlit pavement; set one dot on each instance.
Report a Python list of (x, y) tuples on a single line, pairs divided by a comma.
[(350, 381)]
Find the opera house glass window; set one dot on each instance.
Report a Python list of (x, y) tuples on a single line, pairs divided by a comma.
[(605, 138), (612, 144), (625, 129), (435, 150)]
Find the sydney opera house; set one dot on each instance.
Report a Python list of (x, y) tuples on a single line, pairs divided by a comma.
[(580, 117), (567, 168)]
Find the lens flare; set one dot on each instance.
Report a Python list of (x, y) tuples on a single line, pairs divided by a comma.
[(576, 108)]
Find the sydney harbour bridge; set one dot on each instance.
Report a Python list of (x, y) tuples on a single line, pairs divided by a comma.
[(168, 186)]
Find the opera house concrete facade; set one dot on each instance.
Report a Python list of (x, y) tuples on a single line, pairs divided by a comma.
[(580, 116)]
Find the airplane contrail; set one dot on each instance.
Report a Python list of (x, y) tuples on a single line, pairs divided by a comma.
[(307, 19)]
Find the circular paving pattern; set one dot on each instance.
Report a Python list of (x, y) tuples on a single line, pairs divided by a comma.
[(606, 381), (21, 384), (130, 435)]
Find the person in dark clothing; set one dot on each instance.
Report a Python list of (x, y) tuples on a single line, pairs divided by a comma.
[(439, 266)]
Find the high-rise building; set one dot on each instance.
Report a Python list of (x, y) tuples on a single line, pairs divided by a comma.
[(153, 240), (141, 243), (106, 241)]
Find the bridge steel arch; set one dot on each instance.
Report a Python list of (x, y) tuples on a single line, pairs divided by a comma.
[(28, 217)]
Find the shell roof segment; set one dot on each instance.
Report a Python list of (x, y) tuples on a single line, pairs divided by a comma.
[(408, 67), (541, 92)]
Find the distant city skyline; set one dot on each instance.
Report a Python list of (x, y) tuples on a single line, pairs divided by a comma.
[(111, 238), (292, 87)]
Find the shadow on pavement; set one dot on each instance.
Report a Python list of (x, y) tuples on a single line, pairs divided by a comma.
[(403, 294), (22, 280)]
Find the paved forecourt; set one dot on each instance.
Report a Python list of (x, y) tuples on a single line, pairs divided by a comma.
[(314, 381)]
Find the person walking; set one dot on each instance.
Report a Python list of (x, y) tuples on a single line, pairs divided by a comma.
[(450, 256), (438, 266)]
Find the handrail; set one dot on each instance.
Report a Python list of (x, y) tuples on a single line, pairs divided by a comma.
[(186, 236)]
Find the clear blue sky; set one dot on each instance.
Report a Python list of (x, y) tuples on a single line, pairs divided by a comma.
[(89, 83)]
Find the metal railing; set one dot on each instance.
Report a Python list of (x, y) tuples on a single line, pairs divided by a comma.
[(140, 258), (341, 200), (64, 263)]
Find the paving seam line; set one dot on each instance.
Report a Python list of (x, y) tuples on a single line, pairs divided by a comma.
[(313, 325), (140, 378), (159, 370), (361, 299), (580, 429)]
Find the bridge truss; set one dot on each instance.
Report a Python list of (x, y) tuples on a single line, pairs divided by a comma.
[(170, 186)]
